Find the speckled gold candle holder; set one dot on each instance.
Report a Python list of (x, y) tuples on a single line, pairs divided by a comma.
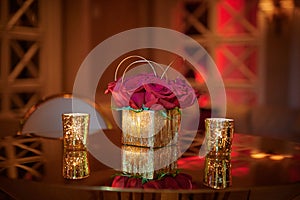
[(217, 172), (218, 136), (75, 165), (75, 130), (149, 162), (150, 128), (218, 144)]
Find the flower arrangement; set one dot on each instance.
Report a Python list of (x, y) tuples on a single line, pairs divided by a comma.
[(151, 104), (149, 91), (174, 180)]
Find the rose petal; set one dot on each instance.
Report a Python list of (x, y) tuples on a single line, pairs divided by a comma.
[(184, 181), (137, 100), (119, 181), (159, 91), (156, 107), (169, 183), (150, 99), (121, 99), (152, 184), (167, 104), (110, 87), (134, 183)]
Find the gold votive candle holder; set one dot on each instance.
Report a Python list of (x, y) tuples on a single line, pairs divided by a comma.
[(217, 172), (75, 164), (218, 136), (149, 162), (75, 157), (218, 145), (75, 130), (150, 128)]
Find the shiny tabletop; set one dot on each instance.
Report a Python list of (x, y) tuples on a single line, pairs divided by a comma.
[(31, 167)]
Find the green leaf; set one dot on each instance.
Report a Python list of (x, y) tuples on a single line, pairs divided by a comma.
[(144, 180)]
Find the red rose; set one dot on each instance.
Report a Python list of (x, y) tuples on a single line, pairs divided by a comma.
[(169, 182), (137, 100), (159, 94), (184, 181), (152, 92), (120, 181), (134, 183), (156, 184)]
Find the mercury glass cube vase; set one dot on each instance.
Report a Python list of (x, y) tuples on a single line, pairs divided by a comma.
[(150, 128)]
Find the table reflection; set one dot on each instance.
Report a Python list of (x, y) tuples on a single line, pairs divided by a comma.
[(149, 163), (256, 162)]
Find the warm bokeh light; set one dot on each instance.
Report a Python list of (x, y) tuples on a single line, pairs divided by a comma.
[(258, 155), (277, 157)]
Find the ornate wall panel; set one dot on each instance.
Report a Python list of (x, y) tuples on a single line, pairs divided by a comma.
[(23, 39), (229, 31)]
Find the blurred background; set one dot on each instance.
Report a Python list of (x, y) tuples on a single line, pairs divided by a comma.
[(254, 43)]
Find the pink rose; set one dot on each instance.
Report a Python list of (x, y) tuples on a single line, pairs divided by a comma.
[(119, 94), (186, 94)]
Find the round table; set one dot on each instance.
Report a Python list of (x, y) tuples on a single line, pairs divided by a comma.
[(262, 168)]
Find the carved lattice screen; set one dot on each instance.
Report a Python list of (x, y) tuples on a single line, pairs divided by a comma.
[(24, 51), (229, 30)]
